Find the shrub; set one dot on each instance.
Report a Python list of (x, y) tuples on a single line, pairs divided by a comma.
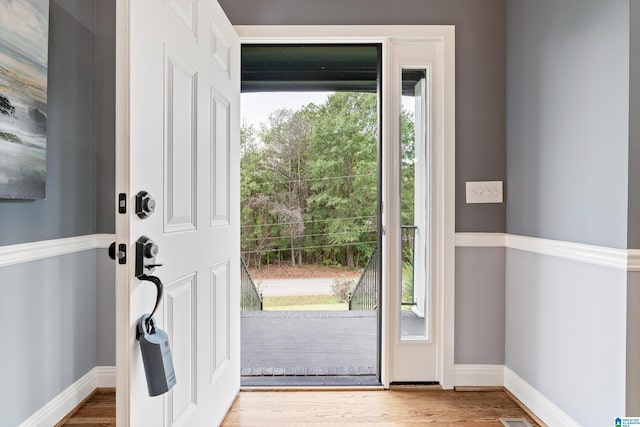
[(407, 282), (341, 289)]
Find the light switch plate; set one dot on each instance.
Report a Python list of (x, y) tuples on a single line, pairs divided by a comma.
[(484, 192)]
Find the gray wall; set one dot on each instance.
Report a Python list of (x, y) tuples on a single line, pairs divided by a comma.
[(105, 60), (69, 208), (480, 74), (479, 307), (105, 281), (53, 330), (80, 130), (570, 172), (105, 57), (566, 333), (48, 327), (568, 120), (634, 127)]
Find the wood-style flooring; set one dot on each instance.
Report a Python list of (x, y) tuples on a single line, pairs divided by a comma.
[(396, 407), (98, 410)]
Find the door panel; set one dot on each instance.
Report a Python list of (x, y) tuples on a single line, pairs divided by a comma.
[(186, 10), (180, 143), (220, 149), (220, 303), (180, 315), (415, 336)]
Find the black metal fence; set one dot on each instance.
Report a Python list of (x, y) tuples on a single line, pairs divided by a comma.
[(365, 294), (408, 264), (250, 298)]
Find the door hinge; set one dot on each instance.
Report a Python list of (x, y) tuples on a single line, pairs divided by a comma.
[(122, 203)]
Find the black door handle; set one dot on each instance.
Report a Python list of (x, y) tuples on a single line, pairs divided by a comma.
[(159, 292)]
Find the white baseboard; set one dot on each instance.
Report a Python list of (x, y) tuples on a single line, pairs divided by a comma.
[(105, 376), (500, 375), (544, 409), (464, 376), (478, 375), (65, 402)]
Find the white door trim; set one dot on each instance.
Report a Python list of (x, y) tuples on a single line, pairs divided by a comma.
[(444, 37), (123, 272)]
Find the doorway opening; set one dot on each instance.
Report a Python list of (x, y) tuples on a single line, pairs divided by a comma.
[(310, 215)]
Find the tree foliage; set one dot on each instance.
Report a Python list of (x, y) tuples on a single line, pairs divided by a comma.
[(344, 147), (310, 182)]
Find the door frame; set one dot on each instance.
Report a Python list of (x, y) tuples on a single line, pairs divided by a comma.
[(122, 273), (443, 37)]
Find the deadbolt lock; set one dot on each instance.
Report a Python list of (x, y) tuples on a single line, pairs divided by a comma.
[(145, 204)]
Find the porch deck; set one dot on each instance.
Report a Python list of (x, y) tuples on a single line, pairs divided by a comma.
[(310, 347)]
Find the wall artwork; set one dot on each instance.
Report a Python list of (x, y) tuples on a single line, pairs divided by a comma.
[(24, 37)]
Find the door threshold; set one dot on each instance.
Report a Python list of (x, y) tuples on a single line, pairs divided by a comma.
[(257, 389), (313, 382)]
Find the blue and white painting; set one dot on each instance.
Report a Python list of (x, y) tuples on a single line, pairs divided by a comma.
[(24, 30)]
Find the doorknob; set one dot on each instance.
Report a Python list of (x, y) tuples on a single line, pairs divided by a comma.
[(146, 252)]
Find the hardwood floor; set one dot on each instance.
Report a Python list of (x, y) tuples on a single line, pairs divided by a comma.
[(98, 410), (385, 408), (402, 407)]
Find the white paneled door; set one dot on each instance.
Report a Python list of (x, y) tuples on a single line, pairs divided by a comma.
[(178, 139)]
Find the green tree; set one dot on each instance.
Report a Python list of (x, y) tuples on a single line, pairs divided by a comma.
[(309, 179), (343, 165), (286, 151), (255, 186), (407, 160)]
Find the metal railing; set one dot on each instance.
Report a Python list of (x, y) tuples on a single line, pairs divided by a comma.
[(408, 264), (250, 299), (365, 294)]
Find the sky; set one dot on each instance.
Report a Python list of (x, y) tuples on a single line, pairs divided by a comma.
[(256, 107)]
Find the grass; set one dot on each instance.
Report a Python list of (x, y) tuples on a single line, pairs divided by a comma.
[(303, 302)]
